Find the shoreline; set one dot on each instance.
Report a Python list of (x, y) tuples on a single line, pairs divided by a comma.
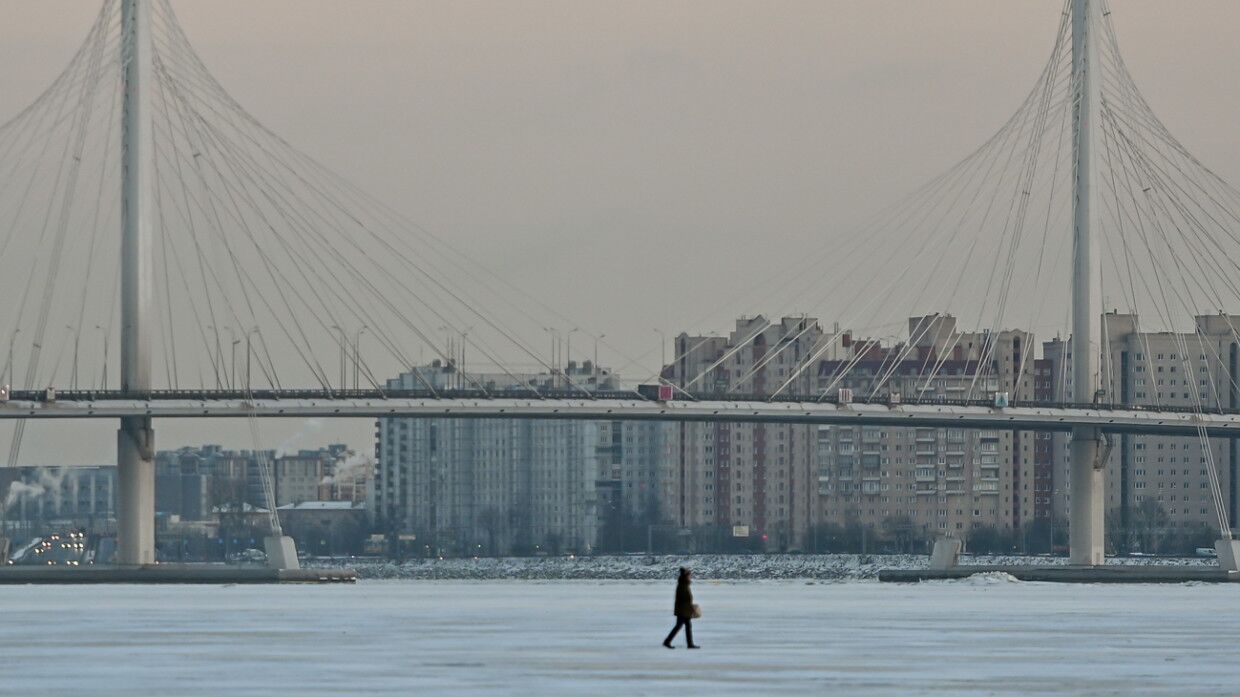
[(715, 567)]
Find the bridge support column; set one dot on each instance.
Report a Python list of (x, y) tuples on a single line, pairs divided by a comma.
[(1086, 531), (281, 552), (135, 476), (946, 554), (1228, 551), (135, 451)]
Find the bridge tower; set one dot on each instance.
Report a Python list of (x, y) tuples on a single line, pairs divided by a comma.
[(135, 450), (1086, 529)]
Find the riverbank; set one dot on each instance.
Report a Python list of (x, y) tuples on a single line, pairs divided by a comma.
[(824, 567)]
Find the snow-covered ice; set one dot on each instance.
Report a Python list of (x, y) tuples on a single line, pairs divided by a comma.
[(833, 567), (982, 636)]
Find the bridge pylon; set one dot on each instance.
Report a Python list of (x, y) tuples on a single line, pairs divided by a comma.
[(1088, 467), (135, 452)]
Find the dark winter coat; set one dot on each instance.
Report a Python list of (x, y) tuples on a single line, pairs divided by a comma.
[(684, 599)]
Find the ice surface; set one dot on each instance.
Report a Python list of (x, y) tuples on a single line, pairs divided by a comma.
[(987, 636)]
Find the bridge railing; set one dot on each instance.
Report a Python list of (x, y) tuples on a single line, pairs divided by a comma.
[(564, 394)]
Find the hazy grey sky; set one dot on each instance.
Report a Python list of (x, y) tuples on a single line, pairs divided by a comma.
[(662, 148)]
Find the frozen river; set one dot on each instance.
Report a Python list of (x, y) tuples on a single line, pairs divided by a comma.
[(602, 638)]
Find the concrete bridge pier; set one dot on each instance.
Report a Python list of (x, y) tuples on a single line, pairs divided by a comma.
[(1086, 531), (135, 474)]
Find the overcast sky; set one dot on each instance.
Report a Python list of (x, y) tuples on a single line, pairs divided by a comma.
[(665, 148)]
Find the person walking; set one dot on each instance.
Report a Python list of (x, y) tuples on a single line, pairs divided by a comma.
[(684, 610)]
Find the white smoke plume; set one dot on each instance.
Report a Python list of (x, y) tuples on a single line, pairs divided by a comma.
[(347, 469), (49, 481), (19, 489), (52, 481)]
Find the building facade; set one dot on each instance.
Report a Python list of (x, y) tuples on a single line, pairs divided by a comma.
[(70, 495), (491, 486), (747, 481), (1173, 479), (191, 481), (780, 484)]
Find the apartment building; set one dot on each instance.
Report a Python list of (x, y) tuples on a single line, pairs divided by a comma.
[(499, 486), (1190, 370), (749, 480), (936, 480), (778, 482)]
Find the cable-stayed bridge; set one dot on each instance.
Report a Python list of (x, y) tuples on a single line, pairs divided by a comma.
[(608, 406), (233, 243)]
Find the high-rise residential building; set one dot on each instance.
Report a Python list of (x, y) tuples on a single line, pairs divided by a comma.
[(777, 482), (932, 480), (745, 480), (1177, 476), (632, 459), (498, 486)]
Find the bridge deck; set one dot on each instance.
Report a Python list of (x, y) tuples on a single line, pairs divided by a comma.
[(978, 416)]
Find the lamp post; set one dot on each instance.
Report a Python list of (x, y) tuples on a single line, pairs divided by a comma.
[(461, 369), (555, 337), (9, 368), (232, 376), (449, 356), (662, 350), (252, 332), (344, 342), (103, 335), (77, 336), (568, 349), (597, 372), (232, 336), (357, 355)]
